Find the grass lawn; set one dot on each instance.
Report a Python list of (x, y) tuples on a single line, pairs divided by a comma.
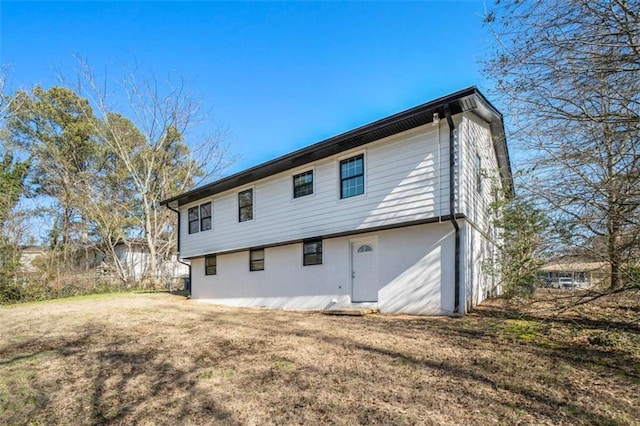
[(162, 359)]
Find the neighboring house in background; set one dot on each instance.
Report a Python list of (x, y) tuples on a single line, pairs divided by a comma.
[(393, 213), (574, 274), (133, 256), (135, 259), (28, 256)]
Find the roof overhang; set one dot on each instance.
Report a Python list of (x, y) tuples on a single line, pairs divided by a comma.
[(469, 99)]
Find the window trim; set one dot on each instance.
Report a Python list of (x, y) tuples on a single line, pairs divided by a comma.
[(319, 252), (253, 203), (252, 261), (312, 183), (215, 264), (363, 174), (210, 217), (195, 209)]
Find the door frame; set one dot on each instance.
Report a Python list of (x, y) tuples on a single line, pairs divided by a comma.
[(373, 241)]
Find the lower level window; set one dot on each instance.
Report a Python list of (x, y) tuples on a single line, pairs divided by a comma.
[(256, 260), (210, 265), (312, 252)]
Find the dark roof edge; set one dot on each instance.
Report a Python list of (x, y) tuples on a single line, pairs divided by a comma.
[(393, 124), (500, 144)]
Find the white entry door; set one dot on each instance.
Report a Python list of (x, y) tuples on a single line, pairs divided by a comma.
[(364, 260)]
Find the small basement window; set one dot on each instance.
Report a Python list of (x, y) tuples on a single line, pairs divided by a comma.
[(210, 265), (312, 253), (256, 260)]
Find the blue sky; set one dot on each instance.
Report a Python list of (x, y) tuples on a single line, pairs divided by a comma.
[(280, 75)]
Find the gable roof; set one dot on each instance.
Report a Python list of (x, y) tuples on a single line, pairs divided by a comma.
[(469, 99)]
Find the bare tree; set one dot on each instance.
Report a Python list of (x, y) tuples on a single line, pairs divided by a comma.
[(568, 73), (157, 149)]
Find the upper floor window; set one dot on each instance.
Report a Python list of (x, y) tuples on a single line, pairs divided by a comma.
[(210, 265), (478, 172), (205, 217), (256, 260), (245, 205), (352, 176), (199, 218), (303, 184), (194, 220), (312, 253)]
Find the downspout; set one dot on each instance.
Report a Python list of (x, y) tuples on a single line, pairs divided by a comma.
[(188, 265), (452, 207)]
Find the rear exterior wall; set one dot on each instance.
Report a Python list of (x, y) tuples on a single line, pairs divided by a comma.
[(413, 274), (406, 179)]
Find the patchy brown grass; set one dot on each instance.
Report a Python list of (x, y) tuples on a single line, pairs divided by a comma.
[(161, 359)]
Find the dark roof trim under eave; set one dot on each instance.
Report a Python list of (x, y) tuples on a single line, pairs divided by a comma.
[(461, 101)]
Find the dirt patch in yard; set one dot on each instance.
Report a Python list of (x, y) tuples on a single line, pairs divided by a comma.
[(162, 359)]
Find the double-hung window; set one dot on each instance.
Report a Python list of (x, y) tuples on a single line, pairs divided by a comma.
[(210, 265), (312, 252), (303, 184), (352, 176), (245, 205), (200, 218), (478, 170), (205, 217), (194, 220), (256, 260)]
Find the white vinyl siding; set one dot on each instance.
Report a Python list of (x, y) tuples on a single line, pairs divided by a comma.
[(406, 179), (477, 191), (476, 195)]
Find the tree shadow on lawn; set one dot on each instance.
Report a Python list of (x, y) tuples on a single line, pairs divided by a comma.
[(534, 396), (139, 386), (478, 334), (109, 382), (125, 381), (578, 340), (557, 317)]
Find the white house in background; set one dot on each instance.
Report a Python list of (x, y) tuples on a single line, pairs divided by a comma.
[(28, 256), (135, 259), (574, 273), (393, 213)]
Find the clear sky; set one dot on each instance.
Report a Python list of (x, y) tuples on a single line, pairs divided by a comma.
[(280, 75)]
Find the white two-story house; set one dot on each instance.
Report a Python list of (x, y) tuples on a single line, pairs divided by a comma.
[(394, 213)]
